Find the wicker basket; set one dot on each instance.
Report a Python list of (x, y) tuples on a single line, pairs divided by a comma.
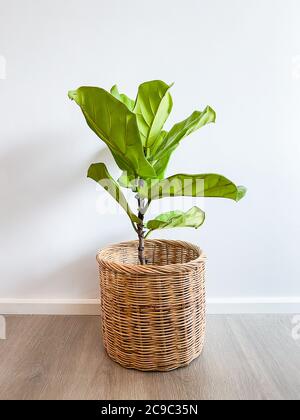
[(153, 317)]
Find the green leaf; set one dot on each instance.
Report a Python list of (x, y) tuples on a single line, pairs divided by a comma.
[(206, 185), (128, 180), (99, 173), (193, 218), (122, 97), (153, 106), (112, 121), (155, 147), (183, 129), (160, 165)]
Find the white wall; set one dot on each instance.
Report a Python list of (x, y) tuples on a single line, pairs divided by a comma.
[(239, 56)]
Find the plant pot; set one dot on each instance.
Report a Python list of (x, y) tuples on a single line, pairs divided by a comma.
[(153, 316)]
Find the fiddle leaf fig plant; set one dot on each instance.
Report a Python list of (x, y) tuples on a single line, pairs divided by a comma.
[(193, 218), (134, 132)]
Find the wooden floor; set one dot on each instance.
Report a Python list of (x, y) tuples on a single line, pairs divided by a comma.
[(245, 357)]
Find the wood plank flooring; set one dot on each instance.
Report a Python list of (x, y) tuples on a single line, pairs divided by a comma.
[(246, 357)]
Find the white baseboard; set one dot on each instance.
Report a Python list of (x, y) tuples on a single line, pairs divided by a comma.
[(287, 305), (265, 305), (49, 307)]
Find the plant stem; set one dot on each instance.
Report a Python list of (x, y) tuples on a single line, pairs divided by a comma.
[(141, 232), (142, 207), (148, 233), (141, 244)]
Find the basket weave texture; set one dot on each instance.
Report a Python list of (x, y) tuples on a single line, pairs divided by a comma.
[(153, 316)]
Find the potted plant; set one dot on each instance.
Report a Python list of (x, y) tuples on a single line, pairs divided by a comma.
[(152, 291)]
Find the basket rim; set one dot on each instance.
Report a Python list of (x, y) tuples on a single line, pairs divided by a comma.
[(148, 269)]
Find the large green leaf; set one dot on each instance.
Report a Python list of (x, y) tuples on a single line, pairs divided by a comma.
[(128, 180), (193, 218), (99, 173), (160, 166), (122, 97), (183, 129), (206, 185), (116, 125), (156, 146), (153, 106)]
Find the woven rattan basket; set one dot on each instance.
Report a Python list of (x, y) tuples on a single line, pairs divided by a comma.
[(153, 317)]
